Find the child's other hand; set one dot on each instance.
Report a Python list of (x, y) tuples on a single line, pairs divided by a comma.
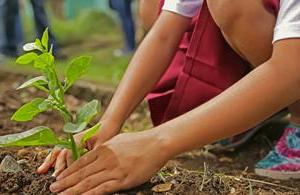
[(125, 161), (60, 159)]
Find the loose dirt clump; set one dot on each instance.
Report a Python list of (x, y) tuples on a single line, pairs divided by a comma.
[(26, 181)]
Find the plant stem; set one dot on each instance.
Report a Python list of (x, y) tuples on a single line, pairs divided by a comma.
[(68, 118), (75, 153)]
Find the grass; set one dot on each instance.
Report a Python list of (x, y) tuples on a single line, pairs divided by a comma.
[(91, 33)]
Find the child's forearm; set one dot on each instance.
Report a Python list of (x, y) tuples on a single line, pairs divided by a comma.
[(267, 89), (147, 66)]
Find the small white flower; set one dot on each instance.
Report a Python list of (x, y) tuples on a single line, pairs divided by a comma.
[(30, 47)]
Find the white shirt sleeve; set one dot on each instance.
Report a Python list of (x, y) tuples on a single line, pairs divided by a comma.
[(187, 8), (288, 20)]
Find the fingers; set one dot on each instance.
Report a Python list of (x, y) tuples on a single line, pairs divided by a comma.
[(108, 187), (49, 161), (85, 160), (61, 163), (86, 184), (69, 158), (82, 177)]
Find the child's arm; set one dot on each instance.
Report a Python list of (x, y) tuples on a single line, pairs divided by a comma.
[(128, 160), (148, 10), (267, 89), (145, 69)]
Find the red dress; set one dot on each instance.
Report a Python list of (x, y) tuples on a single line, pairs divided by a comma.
[(203, 67)]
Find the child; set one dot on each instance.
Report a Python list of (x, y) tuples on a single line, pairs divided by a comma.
[(203, 68)]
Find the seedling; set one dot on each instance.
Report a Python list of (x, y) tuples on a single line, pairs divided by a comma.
[(41, 57)]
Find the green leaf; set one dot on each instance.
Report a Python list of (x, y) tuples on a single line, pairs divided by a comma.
[(45, 39), (52, 84), (87, 112), (39, 136), (44, 61), (38, 44), (74, 128), (90, 133), (27, 58), (76, 69), (41, 80), (28, 111)]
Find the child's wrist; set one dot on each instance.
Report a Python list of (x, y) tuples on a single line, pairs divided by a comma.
[(112, 119), (109, 128), (167, 141)]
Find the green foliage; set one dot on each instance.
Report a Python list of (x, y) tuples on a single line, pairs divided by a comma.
[(45, 39), (90, 133), (44, 62), (76, 69), (55, 89), (87, 112), (28, 111), (74, 128), (37, 81), (27, 58), (38, 136)]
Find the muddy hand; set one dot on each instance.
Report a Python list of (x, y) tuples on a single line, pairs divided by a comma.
[(125, 161)]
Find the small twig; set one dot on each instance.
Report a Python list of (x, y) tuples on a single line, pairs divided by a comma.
[(244, 172), (250, 187), (204, 177), (269, 183)]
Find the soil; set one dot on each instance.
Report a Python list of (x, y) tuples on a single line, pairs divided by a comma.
[(203, 171)]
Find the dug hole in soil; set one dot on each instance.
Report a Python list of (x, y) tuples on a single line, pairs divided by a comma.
[(203, 171)]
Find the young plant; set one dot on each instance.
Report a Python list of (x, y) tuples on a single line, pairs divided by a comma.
[(43, 60)]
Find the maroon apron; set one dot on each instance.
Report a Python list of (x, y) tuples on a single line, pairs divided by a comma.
[(203, 67)]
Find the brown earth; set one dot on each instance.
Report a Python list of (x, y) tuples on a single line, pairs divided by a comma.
[(198, 172)]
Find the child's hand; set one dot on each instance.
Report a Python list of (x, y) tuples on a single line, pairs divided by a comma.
[(60, 159), (125, 161)]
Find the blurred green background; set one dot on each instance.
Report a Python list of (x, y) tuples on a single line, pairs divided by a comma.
[(85, 27)]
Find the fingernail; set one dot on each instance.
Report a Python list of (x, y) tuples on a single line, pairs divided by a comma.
[(54, 174), (40, 170), (53, 188), (40, 167)]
